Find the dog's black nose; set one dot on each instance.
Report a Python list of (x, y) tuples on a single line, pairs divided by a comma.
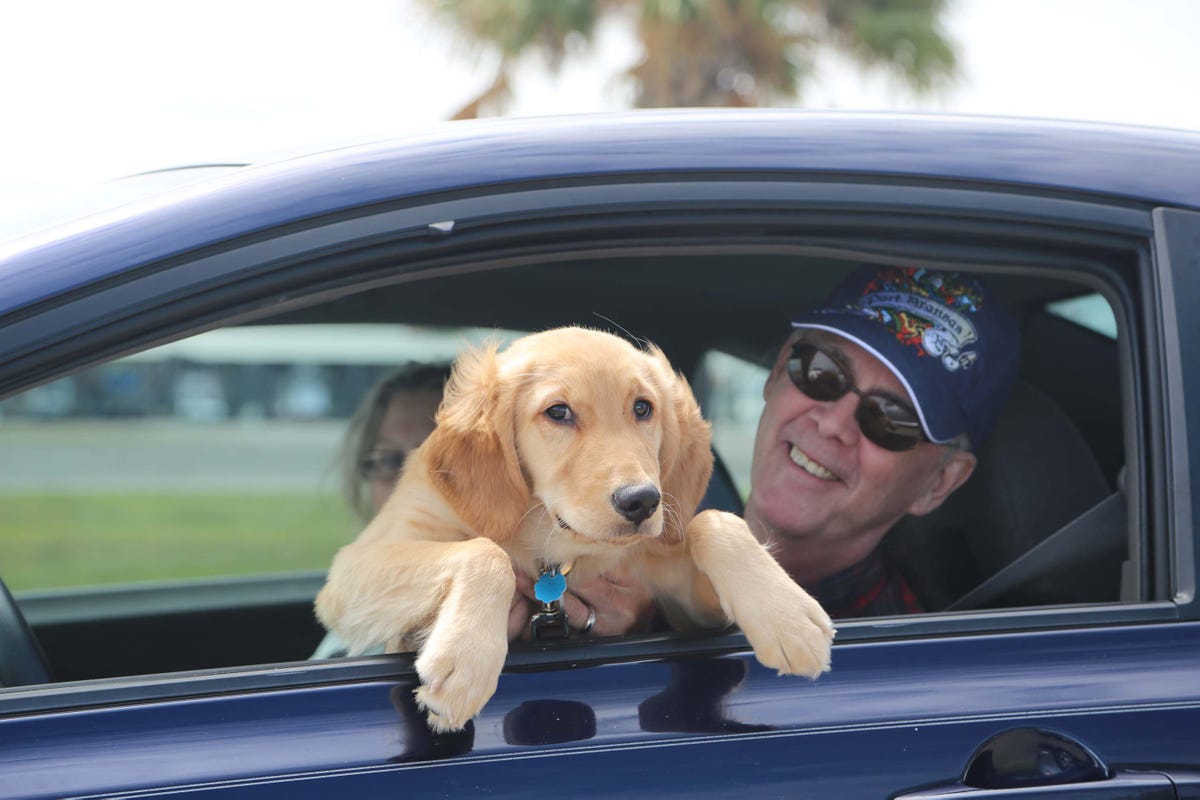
[(636, 502)]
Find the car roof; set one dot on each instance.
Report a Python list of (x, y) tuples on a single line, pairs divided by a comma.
[(1121, 163)]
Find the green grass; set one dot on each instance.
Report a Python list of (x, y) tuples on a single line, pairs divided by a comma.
[(50, 540)]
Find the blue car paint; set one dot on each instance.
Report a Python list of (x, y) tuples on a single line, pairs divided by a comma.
[(888, 713), (1079, 158)]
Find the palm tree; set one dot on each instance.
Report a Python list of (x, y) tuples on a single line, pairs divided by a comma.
[(713, 52)]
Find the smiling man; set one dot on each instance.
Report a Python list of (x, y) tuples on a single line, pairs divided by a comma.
[(873, 409)]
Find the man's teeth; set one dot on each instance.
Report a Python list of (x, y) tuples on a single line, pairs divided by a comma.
[(811, 467)]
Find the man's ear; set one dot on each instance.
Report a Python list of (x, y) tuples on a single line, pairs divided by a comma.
[(472, 454), (950, 474)]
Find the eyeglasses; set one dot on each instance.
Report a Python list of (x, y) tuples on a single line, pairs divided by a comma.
[(382, 465), (884, 420)]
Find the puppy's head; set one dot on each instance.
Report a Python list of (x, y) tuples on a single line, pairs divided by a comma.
[(606, 437)]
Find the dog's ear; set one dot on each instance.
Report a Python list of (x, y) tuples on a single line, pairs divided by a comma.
[(686, 455), (472, 453)]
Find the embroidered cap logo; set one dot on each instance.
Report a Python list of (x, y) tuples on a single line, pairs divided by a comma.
[(927, 310)]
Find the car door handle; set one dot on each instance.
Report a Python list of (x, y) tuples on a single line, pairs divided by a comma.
[(1122, 785), (1031, 762)]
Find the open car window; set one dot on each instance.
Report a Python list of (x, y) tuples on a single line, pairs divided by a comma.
[(179, 479), (217, 455)]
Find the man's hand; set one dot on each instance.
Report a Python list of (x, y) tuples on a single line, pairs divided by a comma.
[(621, 605)]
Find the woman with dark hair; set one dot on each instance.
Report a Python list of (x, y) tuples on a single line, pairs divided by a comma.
[(392, 421)]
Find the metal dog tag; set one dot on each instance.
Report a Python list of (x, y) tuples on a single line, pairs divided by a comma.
[(550, 622)]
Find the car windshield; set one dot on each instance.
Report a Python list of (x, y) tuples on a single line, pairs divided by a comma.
[(91, 199)]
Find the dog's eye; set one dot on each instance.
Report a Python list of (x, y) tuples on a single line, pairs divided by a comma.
[(560, 412), (642, 409)]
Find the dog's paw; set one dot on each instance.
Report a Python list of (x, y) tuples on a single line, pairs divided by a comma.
[(457, 681), (789, 631)]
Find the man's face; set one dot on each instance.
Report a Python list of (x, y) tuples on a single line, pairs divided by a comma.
[(815, 475)]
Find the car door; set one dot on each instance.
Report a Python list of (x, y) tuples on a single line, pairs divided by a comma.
[(993, 701)]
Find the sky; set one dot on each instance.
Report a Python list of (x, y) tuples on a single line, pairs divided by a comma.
[(95, 91)]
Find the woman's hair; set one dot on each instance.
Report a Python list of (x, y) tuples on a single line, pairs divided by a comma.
[(362, 433)]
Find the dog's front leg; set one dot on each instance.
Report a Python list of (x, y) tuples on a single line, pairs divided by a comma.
[(460, 662), (453, 596), (787, 628)]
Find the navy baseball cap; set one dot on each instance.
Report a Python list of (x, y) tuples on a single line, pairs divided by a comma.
[(951, 345)]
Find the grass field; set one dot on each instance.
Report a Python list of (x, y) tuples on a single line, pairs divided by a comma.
[(50, 539)]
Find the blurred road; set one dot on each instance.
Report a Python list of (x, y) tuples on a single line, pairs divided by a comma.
[(169, 455)]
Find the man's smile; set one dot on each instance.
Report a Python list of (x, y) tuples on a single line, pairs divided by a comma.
[(802, 460)]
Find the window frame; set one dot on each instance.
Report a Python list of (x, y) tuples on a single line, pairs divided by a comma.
[(1173, 284)]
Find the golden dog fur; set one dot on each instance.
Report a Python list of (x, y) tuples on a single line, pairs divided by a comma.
[(502, 485)]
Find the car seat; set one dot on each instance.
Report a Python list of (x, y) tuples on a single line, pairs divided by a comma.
[(722, 493), (1035, 475)]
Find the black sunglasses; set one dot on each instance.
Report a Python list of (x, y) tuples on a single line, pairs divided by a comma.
[(382, 465), (884, 420)]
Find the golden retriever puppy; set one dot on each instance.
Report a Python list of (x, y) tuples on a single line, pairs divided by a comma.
[(569, 447)]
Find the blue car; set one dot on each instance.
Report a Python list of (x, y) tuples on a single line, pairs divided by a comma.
[(176, 375)]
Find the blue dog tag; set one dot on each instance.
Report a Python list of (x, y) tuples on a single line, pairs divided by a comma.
[(550, 586)]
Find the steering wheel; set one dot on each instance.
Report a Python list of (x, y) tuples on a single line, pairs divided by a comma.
[(21, 659)]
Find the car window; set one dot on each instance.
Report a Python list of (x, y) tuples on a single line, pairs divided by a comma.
[(164, 476), (730, 391), (215, 455), (1091, 311)]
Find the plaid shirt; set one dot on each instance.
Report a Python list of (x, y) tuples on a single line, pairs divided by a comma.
[(870, 588)]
